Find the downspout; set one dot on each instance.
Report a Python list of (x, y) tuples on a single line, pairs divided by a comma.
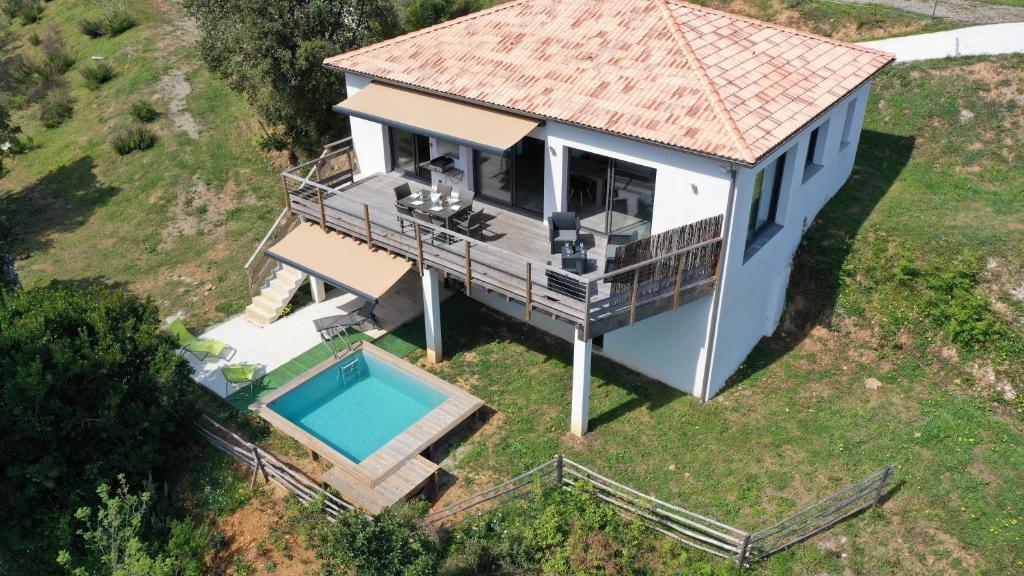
[(716, 299)]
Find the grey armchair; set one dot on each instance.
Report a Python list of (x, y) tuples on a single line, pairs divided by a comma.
[(563, 228)]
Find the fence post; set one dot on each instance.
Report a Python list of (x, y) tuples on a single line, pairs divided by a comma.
[(419, 248), (632, 296), (741, 561), (369, 233), (256, 466), (559, 465), (323, 213), (529, 291), (469, 272), (881, 484)]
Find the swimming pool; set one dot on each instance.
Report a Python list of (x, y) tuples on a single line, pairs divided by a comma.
[(358, 404)]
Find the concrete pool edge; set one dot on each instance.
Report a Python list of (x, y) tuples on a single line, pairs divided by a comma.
[(417, 437)]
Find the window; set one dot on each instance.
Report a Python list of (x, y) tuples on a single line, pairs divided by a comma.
[(764, 202), (408, 153), (611, 196), (815, 151), (851, 109)]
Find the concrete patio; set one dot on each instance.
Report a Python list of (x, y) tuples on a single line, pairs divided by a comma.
[(288, 337)]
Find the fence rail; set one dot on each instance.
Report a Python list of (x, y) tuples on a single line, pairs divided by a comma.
[(651, 284), (689, 528), (270, 467)]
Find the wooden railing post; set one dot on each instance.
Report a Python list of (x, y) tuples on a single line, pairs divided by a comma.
[(679, 283), (323, 213), (586, 316), (469, 271), (287, 193), (741, 559), (881, 484), (369, 233), (633, 296), (419, 248), (529, 291), (559, 469)]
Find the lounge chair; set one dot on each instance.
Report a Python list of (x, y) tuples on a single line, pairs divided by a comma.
[(563, 228), (193, 345), (239, 376), (611, 253)]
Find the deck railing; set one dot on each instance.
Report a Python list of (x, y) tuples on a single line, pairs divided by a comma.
[(592, 303)]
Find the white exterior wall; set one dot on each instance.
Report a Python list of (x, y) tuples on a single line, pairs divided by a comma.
[(671, 346), (754, 285)]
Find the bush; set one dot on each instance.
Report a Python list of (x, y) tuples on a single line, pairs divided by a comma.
[(96, 75), (56, 108), (29, 11), (57, 59), (143, 111), (92, 387), (132, 139), (111, 23), (34, 39)]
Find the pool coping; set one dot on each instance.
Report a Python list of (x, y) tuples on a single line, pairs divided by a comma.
[(408, 444)]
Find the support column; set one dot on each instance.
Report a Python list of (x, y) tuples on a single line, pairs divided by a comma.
[(317, 289), (432, 313), (581, 353)]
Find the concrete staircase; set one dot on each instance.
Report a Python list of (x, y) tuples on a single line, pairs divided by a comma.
[(267, 306)]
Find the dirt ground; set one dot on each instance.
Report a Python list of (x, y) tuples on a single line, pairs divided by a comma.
[(966, 11)]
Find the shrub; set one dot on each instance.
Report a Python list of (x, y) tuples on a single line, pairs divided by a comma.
[(29, 11), (272, 142), (56, 108), (143, 111), (132, 139), (57, 59), (96, 75), (34, 39), (111, 23)]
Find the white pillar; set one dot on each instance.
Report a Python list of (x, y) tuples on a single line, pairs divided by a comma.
[(432, 313), (317, 288), (581, 353)]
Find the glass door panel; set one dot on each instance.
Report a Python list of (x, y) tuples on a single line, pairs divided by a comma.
[(529, 175), (409, 150), (632, 199), (588, 188), (493, 177)]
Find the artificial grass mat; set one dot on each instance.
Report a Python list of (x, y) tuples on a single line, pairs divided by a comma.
[(401, 342)]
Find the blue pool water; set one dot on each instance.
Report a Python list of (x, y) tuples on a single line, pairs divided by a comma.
[(358, 411)]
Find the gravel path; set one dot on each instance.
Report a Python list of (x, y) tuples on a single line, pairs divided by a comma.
[(972, 11)]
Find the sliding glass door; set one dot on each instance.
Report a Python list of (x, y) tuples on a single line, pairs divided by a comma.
[(515, 178), (408, 151), (611, 196)]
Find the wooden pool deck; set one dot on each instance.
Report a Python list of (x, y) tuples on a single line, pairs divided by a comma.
[(397, 469)]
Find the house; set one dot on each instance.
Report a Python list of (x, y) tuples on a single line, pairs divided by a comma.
[(693, 146)]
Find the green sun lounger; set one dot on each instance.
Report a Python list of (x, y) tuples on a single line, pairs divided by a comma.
[(239, 376), (198, 347)]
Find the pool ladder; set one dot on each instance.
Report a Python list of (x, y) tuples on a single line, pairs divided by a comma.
[(328, 336), (352, 366)]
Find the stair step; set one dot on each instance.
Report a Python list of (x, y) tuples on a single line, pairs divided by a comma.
[(268, 304)]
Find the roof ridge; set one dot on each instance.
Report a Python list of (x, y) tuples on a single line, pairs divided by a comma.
[(709, 87), (796, 31), (422, 31)]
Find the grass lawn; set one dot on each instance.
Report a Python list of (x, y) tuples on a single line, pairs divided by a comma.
[(176, 221), (935, 192)]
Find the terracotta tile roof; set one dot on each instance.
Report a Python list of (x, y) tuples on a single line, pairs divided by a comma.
[(663, 71)]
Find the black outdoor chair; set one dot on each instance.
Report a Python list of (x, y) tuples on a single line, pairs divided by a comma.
[(563, 228), (402, 191), (612, 251), (423, 217), (470, 223)]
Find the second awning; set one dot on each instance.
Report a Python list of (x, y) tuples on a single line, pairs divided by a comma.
[(473, 126), (339, 260)]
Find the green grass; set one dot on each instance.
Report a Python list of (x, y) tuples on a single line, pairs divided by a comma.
[(176, 221), (798, 421), (847, 22)]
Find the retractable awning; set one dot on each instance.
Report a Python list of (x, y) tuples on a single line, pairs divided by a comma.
[(339, 260), (473, 126)]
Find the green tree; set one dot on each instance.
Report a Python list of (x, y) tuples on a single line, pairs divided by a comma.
[(111, 538), (418, 14), (9, 141), (91, 387), (272, 52)]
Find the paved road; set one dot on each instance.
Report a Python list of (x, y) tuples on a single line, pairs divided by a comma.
[(966, 11), (991, 39)]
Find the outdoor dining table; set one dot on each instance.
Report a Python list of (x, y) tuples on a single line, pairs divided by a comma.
[(442, 209)]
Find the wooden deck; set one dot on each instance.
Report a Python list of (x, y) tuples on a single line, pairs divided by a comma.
[(397, 469)]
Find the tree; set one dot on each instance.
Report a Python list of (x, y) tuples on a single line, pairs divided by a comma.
[(272, 52), (111, 538), (418, 14), (91, 387), (9, 142)]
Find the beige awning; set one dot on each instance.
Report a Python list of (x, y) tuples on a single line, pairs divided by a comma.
[(339, 260), (443, 118)]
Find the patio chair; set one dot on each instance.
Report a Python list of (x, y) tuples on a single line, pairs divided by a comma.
[(402, 191), (190, 343), (441, 223), (470, 222), (612, 251), (563, 228), (444, 190), (424, 217), (239, 376)]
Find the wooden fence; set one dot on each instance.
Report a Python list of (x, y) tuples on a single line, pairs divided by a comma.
[(684, 526), (689, 528), (270, 467)]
